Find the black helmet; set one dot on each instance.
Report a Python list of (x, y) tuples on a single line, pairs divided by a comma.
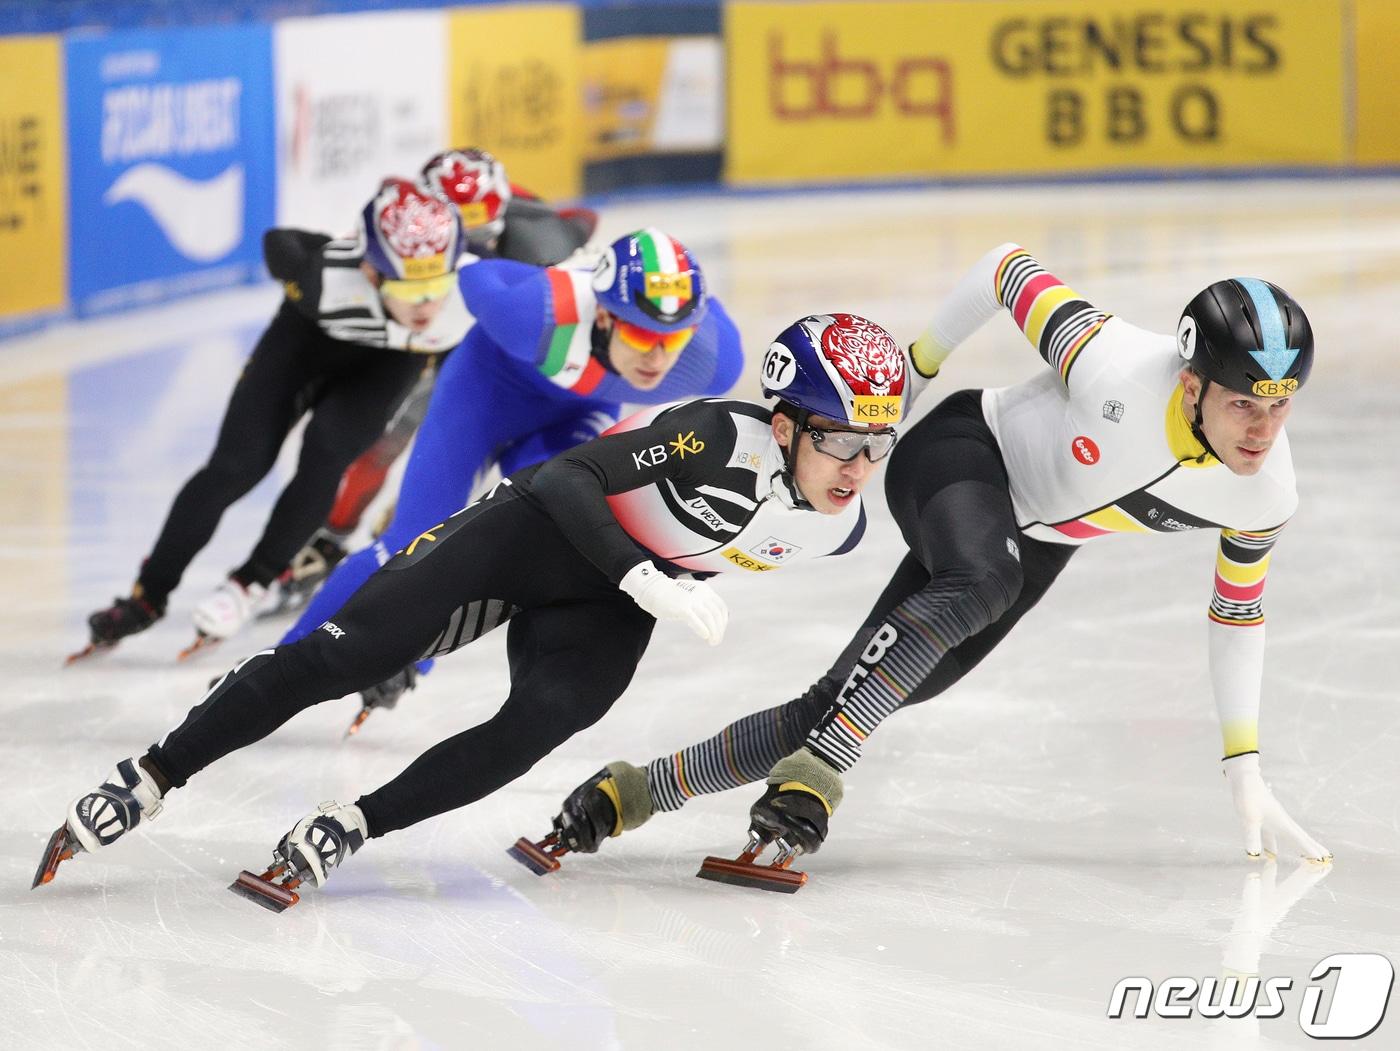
[(1249, 336)]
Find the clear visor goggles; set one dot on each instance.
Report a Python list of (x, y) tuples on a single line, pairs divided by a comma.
[(846, 445)]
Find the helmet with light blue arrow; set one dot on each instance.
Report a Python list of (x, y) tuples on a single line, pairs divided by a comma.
[(1249, 336)]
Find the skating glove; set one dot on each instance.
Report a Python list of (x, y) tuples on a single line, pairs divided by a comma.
[(803, 792), (1261, 814), (692, 602)]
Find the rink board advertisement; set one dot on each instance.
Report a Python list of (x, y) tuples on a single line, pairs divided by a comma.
[(33, 173), (514, 89), (1377, 98), (652, 94), (359, 97), (171, 160), (827, 92)]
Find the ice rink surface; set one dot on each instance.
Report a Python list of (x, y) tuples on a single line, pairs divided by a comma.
[(1005, 853)]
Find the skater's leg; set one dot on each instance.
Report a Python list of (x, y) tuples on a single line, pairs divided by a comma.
[(261, 411), (457, 436), (350, 413), (569, 663)]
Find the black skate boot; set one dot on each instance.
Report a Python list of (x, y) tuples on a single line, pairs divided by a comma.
[(98, 819), (309, 569), (126, 616), (307, 854), (614, 800), (384, 695)]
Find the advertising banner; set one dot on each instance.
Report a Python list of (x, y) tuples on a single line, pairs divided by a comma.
[(514, 90), (1377, 95), (359, 97), (850, 91), (652, 95), (171, 159), (33, 177)]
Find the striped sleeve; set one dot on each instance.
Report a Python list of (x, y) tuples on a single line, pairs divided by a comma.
[(1237, 656), (1056, 320), (1240, 568)]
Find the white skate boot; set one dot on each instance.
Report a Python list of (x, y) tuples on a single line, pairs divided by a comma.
[(101, 817), (224, 613), (315, 845)]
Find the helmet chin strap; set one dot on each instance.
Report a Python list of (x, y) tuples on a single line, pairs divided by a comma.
[(1196, 431), (789, 475)]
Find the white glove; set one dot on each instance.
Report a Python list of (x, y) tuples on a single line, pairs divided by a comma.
[(691, 601), (1260, 813)]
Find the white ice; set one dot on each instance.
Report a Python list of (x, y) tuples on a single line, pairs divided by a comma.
[(1005, 853)]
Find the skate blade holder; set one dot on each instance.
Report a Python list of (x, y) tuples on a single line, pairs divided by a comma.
[(265, 890), (60, 848), (354, 727), (87, 651), (202, 642), (540, 858), (744, 871)]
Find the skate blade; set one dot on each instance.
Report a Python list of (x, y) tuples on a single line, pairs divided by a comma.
[(261, 890), (354, 727), (533, 857), (741, 873), (201, 642), (60, 848), (87, 651)]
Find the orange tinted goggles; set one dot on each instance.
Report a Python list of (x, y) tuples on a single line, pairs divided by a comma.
[(644, 339)]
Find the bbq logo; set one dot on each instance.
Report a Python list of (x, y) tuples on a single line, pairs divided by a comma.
[(1084, 449)]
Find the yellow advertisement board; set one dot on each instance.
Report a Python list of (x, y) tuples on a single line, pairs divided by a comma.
[(847, 91), (1377, 92), (33, 176), (621, 93), (513, 88)]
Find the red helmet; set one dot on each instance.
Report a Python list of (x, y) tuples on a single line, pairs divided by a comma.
[(476, 183)]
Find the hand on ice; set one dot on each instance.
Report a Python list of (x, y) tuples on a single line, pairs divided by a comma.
[(803, 792), (1262, 816), (693, 602)]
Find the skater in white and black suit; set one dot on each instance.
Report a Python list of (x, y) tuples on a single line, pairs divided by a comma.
[(580, 555), (993, 491)]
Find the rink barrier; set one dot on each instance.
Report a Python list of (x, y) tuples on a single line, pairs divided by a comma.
[(141, 164)]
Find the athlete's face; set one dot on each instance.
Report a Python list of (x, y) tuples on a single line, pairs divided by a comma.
[(643, 368), (830, 485), (1241, 428), (414, 314)]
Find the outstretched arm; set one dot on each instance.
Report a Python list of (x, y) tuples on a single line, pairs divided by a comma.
[(1236, 671)]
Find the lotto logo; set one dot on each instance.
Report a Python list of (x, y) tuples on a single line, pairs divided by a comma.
[(1085, 451)]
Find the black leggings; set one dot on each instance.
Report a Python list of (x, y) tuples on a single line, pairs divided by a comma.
[(968, 577), (574, 642), (351, 391)]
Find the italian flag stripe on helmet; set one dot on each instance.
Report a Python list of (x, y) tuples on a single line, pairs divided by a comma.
[(661, 255)]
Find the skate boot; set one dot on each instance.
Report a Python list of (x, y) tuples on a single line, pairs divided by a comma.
[(126, 616), (614, 800), (308, 571), (306, 854), (223, 613), (101, 817), (384, 695)]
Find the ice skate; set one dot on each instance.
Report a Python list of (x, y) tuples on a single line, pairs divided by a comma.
[(315, 845), (126, 616), (102, 816), (384, 695), (223, 614), (614, 800), (309, 569), (745, 871)]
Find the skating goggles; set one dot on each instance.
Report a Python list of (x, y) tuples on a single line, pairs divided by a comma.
[(423, 290), (645, 339), (847, 445)]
